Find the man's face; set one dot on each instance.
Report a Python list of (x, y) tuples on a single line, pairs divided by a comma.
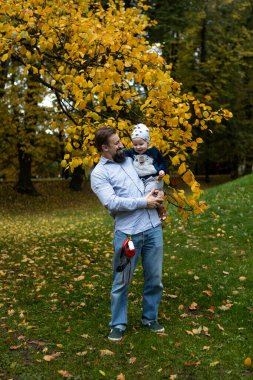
[(114, 148)]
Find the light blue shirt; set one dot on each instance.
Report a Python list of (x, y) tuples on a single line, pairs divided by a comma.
[(122, 192)]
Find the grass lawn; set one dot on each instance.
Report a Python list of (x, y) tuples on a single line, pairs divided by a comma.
[(55, 279)]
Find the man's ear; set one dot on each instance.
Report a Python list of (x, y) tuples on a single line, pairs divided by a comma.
[(104, 148)]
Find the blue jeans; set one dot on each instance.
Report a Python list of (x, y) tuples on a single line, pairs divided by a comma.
[(148, 245)]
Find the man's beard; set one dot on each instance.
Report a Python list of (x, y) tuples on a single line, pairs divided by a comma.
[(119, 156)]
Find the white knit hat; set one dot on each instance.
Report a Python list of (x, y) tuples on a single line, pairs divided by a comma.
[(141, 131)]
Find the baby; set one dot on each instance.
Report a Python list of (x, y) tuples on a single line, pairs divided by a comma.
[(148, 162)]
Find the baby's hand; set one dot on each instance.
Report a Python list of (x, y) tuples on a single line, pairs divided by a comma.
[(161, 174)]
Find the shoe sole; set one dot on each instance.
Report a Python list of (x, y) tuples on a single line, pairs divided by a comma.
[(158, 331), (115, 339)]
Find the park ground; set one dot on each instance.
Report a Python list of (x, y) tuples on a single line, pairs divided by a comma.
[(55, 278)]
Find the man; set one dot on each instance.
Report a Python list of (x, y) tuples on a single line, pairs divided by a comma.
[(119, 188)]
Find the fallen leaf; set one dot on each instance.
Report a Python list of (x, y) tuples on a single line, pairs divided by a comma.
[(102, 372), (83, 353), (206, 331), (193, 306), (121, 377), (65, 373), (214, 364), (173, 377), (209, 293), (242, 278), (220, 327), (197, 331), (80, 278), (48, 358), (13, 348), (226, 307), (192, 364), (132, 360), (36, 342), (248, 361), (106, 352)]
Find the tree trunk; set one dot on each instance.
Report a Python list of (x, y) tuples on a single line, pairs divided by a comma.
[(77, 179), (4, 66), (24, 184)]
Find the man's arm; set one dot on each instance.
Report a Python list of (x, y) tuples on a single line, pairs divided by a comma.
[(106, 194)]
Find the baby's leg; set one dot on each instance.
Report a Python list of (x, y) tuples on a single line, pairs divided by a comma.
[(151, 183)]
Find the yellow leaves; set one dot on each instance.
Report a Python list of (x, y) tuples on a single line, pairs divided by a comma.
[(206, 114), (188, 178), (100, 69), (4, 57), (69, 147), (94, 116), (166, 179), (175, 160), (182, 168)]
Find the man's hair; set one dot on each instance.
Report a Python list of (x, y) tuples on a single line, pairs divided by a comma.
[(102, 135)]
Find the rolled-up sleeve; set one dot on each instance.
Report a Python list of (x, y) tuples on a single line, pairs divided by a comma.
[(107, 196)]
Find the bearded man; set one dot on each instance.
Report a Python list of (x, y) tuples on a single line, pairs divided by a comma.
[(119, 188)]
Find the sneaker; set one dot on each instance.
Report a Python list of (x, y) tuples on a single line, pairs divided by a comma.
[(115, 335), (155, 327)]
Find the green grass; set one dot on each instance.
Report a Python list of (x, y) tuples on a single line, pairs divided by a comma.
[(55, 279)]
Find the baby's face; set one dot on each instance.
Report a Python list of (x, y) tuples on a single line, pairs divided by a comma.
[(140, 145)]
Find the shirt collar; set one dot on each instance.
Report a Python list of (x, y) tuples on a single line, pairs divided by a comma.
[(104, 160)]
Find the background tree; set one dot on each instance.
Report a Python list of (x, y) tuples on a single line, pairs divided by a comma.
[(214, 61), (100, 66), (26, 139)]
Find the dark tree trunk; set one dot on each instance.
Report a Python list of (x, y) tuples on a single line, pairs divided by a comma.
[(77, 179), (24, 184), (3, 77), (207, 167), (234, 167)]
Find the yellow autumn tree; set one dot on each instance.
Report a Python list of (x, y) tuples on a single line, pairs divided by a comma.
[(103, 71)]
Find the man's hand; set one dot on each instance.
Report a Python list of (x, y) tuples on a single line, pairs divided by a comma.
[(153, 199)]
